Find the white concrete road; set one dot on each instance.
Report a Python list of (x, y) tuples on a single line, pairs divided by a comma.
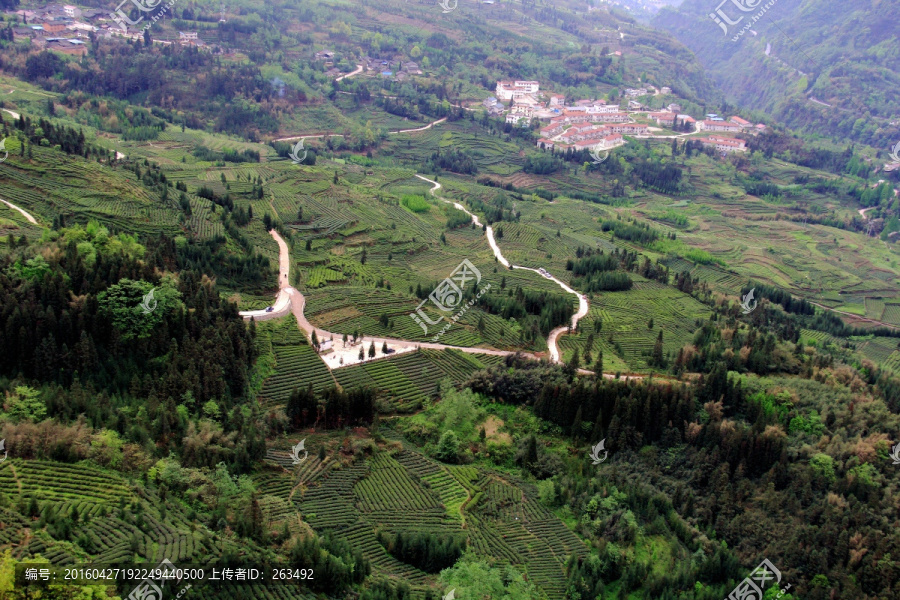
[(25, 214), (291, 300), (343, 355)]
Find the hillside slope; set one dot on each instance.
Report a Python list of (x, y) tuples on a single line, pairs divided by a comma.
[(818, 65)]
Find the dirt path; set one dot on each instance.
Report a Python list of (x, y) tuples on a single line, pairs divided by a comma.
[(583, 305), (343, 355), (310, 136), (855, 316), (25, 214), (356, 71), (429, 126)]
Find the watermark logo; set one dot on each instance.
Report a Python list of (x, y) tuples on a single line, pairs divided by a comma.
[(448, 295), (451, 595), (746, 307), (295, 153), (145, 6), (122, 18), (295, 452), (595, 452), (151, 587), (895, 453), (752, 587), (724, 21), (149, 304), (598, 154), (895, 153), (3, 449), (445, 4), (5, 151)]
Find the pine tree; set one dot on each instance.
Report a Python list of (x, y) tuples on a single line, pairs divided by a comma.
[(574, 362), (657, 356), (372, 350)]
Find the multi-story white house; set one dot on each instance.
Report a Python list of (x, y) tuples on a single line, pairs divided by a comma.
[(602, 109), (724, 144), (708, 125), (511, 90), (519, 112)]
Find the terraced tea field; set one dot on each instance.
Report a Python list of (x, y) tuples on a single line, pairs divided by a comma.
[(109, 532), (625, 317), (406, 491), (296, 363), (405, 381)]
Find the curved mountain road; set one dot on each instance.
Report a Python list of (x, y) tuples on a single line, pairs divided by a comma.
[(355, 71), (324, 135), (25, 214), (291, 300), (583, 305)]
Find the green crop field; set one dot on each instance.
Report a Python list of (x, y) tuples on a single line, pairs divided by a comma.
[(408, 492), (296, 363), (405, 381), (137, 432)]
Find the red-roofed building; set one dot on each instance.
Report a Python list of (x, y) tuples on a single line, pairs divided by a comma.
[(600, 143), (629, 128), (707, 125), (724, 144), (739, 121), (552, 130), (663, 118)]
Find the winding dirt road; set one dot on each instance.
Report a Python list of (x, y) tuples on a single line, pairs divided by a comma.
[(583, 305), (25, 214), (291, 300), (310, 136), (355, 71)]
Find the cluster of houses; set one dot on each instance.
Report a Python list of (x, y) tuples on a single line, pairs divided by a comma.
[(527, 103), (734, 124), (398, 70), (581, 130), (65, 28), (669, 117)]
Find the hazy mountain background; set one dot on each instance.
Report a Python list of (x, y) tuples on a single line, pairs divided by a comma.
[(837, 53)]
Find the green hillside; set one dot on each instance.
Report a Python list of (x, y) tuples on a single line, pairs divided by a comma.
[(673, 362), (819, 66)]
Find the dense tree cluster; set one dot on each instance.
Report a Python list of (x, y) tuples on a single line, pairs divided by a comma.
[(633, 231), (452, 160), (226, 155), (547, 309), (427, 551), (335, 564), (73, 322), (332, 408), (779, 296)]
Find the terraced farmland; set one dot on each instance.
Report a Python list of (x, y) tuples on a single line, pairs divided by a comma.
[(407, 380), (297, 364), (625, 317)]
